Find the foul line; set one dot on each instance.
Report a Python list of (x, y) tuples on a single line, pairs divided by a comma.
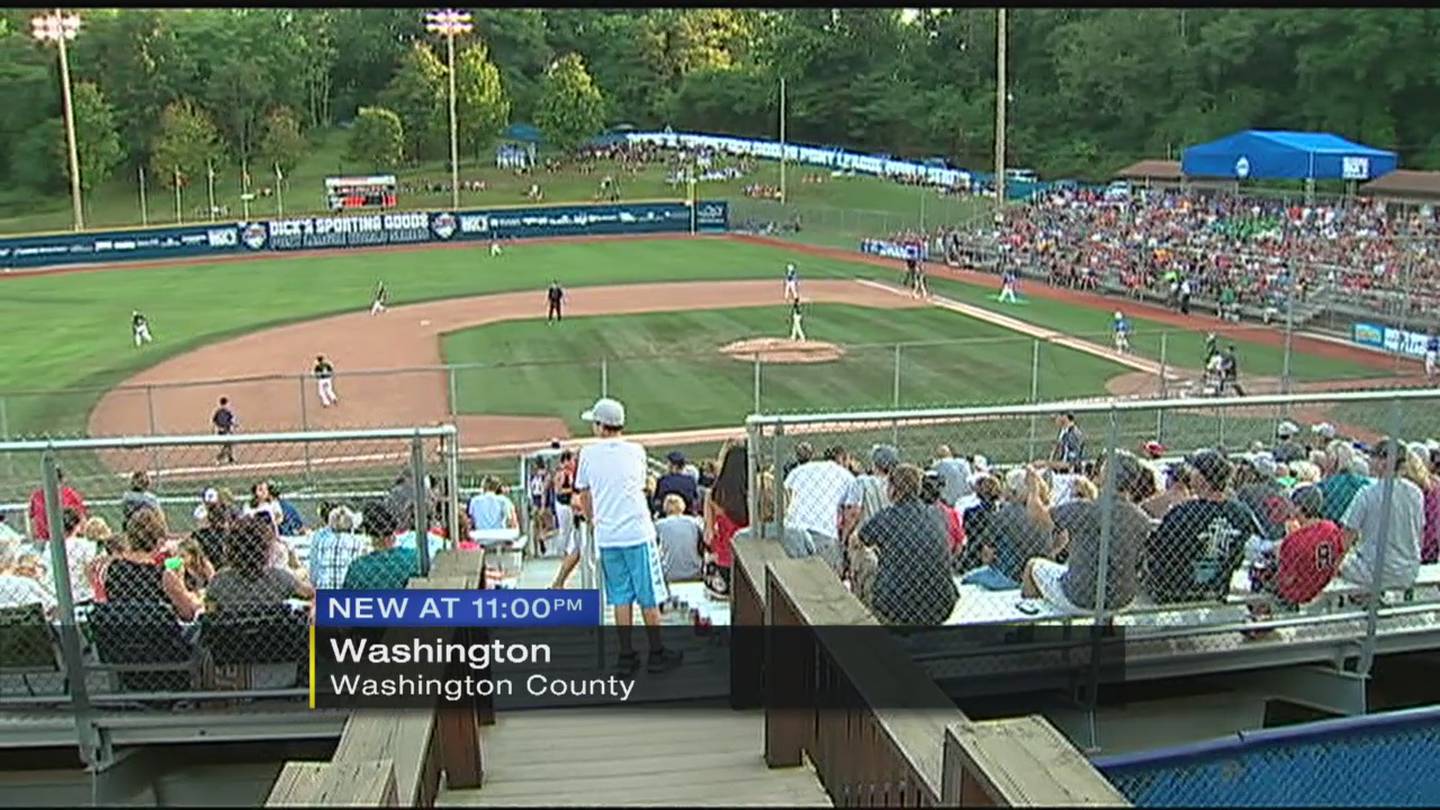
[(1032, 330)]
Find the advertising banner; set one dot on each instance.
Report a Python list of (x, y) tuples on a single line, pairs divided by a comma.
[(1390, 339), (111, 246), (894, 250), (360, 230)]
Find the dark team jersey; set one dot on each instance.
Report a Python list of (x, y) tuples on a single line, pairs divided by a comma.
[(137, 321), (380, 293), (556, 294), (1433, 345), (324, 371), (223, 420), (795, 308), (1008, 278), (910, 263)]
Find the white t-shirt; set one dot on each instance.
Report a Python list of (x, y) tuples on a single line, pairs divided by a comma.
[(1402, 552), (18, 591), (613, 472), (489, 510), (817, 491), (79, 553)]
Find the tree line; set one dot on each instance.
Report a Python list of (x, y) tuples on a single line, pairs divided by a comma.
[(177, 91)]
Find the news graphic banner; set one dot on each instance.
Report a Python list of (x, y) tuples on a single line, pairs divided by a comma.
[(361, 230), (1390, 339), (451, 608)]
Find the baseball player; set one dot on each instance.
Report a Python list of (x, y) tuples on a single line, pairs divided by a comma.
[(555, 295), (1212, 346), (920, 288), (910, 271), (378, 305), (140, 327), (325, 381), (792, 284), (797, 331), (1432, 355), (225, 423), (494, 248), (1007, 287), (1122, 333)]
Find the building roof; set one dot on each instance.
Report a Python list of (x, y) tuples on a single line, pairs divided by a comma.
[(1405, 183), (1152, 170)]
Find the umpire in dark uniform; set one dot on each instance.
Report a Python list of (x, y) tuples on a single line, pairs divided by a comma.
[(555, 295)]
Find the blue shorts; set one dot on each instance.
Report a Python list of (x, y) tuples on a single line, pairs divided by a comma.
[(629, 578)]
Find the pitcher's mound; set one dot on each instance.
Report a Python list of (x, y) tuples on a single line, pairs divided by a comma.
[(779, 350)]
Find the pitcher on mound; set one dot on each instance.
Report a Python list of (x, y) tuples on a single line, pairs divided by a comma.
[(797, 330)]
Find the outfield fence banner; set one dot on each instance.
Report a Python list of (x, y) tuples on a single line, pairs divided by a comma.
[(363, 230), (895, 250), (1063, 513), (193, 513), (1390, 339)]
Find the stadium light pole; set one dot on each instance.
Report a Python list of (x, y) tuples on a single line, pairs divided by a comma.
[(59, 27), (449, 23), (782, 140), (1000, 99)]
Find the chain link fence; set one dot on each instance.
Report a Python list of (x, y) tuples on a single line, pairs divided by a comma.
[(1257, 518), (169, 570)]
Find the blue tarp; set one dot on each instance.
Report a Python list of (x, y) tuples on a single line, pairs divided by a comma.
[(1279, 155), (525, 133)]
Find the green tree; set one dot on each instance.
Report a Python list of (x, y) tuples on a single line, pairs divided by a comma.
[(481, 107), (32, 157), (281, 142), (186, 140), (97, 138), (571, 108), (417, 93), (377, 140)]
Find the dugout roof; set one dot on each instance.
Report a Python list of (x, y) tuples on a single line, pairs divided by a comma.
[(1264, 154)]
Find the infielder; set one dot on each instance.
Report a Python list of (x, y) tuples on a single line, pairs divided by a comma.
[(325, 381), (792, 284), (797, 331), (494, 248), (1432, 356), (1122, 333), (910, 271), (140, 327), (1007, 287), (378, 305), (555, 295), (919, 287)]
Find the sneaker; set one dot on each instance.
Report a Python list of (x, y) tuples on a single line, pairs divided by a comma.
[(663, 660), (627, 664)]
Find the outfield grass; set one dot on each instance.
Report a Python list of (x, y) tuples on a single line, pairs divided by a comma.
[(71, 331), (673, 375)]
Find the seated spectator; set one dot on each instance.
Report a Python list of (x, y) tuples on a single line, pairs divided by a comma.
[(138, 495), (80, 556), (216, 513), (1175, 489), (194, 565), (18, 588), (1287, 449), (135, 575), (974, 518), (1197, 547), (1298, 568), (676, 482), (1342, 479), (1256, 485), (1071, 586), (490, 509), (388, 567), (1416, 470), (871, 493), (334, 547), (681, 544), (69, 499), (954, 471), (932, 491), (248, 579), (1014, 532), (1365, 529), (262, 501), (912, 578), (291, 524)]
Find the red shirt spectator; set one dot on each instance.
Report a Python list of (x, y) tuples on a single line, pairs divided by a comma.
[(1308, 559), (69, 499)]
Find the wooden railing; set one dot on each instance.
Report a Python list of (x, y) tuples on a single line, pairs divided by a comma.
[(865, 752), (394, 757)]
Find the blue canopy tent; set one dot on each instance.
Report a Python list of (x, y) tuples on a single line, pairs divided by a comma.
[(1280, 155), (524, 133)]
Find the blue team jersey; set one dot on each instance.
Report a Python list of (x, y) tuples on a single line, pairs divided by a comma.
[(1433, 345), (1122, 326)]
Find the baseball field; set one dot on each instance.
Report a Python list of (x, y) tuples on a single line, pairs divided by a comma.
[(656, 311)]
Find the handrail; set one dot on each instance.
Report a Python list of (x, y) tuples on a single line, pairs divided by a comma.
[(289, 437), (889, 417), (876, 755), (390, 757)]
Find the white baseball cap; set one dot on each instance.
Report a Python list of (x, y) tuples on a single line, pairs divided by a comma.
[(1287, 429), (607, 412), (1325, 430)]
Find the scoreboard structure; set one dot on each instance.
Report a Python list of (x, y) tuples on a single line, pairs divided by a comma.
[(360, 193)]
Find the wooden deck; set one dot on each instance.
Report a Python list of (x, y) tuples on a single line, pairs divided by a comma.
[(657, 756)]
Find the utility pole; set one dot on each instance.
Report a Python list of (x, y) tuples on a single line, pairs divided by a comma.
[(782, 140), (1000, 95)]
